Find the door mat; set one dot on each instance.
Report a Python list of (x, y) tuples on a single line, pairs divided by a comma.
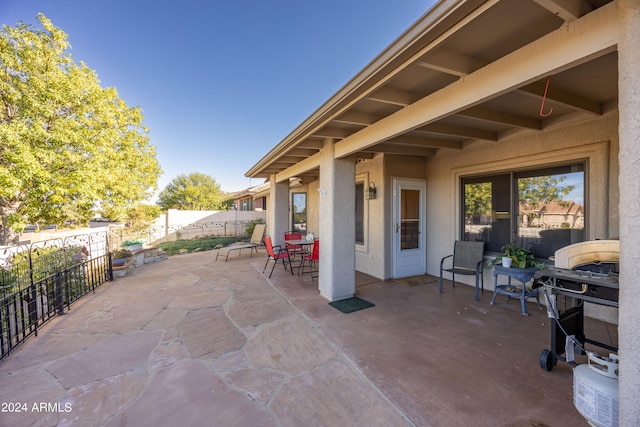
[(350, 305), (416, 280)]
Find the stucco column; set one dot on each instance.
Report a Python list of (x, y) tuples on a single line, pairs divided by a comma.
[(629, 180), (278, 210), (337, 278)]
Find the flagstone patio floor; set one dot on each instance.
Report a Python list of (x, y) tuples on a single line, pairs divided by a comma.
[(192, 342)]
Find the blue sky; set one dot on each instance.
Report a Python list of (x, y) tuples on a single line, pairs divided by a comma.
[(221, 82)]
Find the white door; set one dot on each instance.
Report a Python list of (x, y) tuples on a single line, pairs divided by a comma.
[(409, 236)]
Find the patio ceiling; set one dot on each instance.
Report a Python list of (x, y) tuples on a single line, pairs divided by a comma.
[(467, 72)]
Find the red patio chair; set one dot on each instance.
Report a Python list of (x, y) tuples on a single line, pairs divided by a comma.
[(294, 250), (276, 253), (311, 259)]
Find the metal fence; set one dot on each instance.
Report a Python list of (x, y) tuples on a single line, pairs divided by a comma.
[(38, 281), (198, 230)]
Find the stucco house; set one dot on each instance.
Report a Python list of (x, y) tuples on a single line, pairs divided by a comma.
[(476, 97), (252, 198)]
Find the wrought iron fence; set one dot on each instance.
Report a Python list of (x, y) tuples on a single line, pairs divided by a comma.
[(38, 281), (198, 230)]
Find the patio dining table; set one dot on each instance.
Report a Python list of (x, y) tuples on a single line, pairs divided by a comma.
[(302, 246), (303, 243)]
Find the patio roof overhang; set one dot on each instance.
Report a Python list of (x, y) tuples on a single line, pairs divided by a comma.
[(467, 72)]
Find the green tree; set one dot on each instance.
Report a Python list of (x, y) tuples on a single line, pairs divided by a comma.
[(477, 199), (141, 216), (196, 191), (67, 144), (538, 190)]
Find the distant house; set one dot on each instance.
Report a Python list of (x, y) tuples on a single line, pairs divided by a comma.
[(252, 198), (566, 214)]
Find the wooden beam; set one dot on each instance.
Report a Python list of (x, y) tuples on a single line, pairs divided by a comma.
[(537, 90), (332, 132), (312, 144), (355, 118), (392, 96), (406, 150), (450, 62), (568, 10), (464, 132), (575, 43), (301, 152), (425, 142), (484, 114)]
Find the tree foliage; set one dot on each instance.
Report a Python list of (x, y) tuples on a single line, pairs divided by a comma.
[(477, 199), (533, 192), (141, 216), (67, 144), (538, 190), (195, 191)]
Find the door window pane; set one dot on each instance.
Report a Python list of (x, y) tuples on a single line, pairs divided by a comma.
[(299, 212), (360, 213), (410, 219)]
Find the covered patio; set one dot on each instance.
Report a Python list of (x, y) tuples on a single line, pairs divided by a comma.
[(188, 341), (476, 92)]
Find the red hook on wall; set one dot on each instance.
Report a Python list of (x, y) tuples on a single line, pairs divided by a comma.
[(544, 97)]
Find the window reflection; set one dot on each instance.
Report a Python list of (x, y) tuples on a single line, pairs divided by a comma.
[(299, 212), (548, 204), (410, 219), (550, 211)]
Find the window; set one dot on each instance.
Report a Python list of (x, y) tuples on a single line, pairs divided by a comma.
[(541, 210), (299, 212), (360, 213), (246, 204), (410, 219)]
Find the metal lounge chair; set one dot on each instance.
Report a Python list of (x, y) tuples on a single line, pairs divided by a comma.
[(276, 253), (254, 243), (467, 259)]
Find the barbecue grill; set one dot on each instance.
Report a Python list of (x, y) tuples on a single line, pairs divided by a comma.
[(566, 291)]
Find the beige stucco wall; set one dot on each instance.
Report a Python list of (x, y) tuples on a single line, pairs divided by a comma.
[(595, 141), (370, 255), (629, 82)]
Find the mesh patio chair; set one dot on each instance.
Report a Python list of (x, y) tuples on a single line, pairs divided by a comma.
[(276, 253), (311, 259), (467, 259)]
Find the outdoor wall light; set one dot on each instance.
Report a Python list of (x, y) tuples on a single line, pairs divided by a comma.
[(371, 192)]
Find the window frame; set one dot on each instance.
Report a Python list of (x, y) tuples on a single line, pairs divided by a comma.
[(305, 210), (512, 176), (363, 179)]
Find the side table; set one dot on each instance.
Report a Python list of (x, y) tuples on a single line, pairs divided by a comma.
[(523, 275)]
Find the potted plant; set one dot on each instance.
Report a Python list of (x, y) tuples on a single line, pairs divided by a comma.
[(133, 245), (119, 257), (521, 257)]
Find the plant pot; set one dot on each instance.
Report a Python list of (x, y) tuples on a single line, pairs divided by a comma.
[(134, 247), (506, 261), (118, 262)]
